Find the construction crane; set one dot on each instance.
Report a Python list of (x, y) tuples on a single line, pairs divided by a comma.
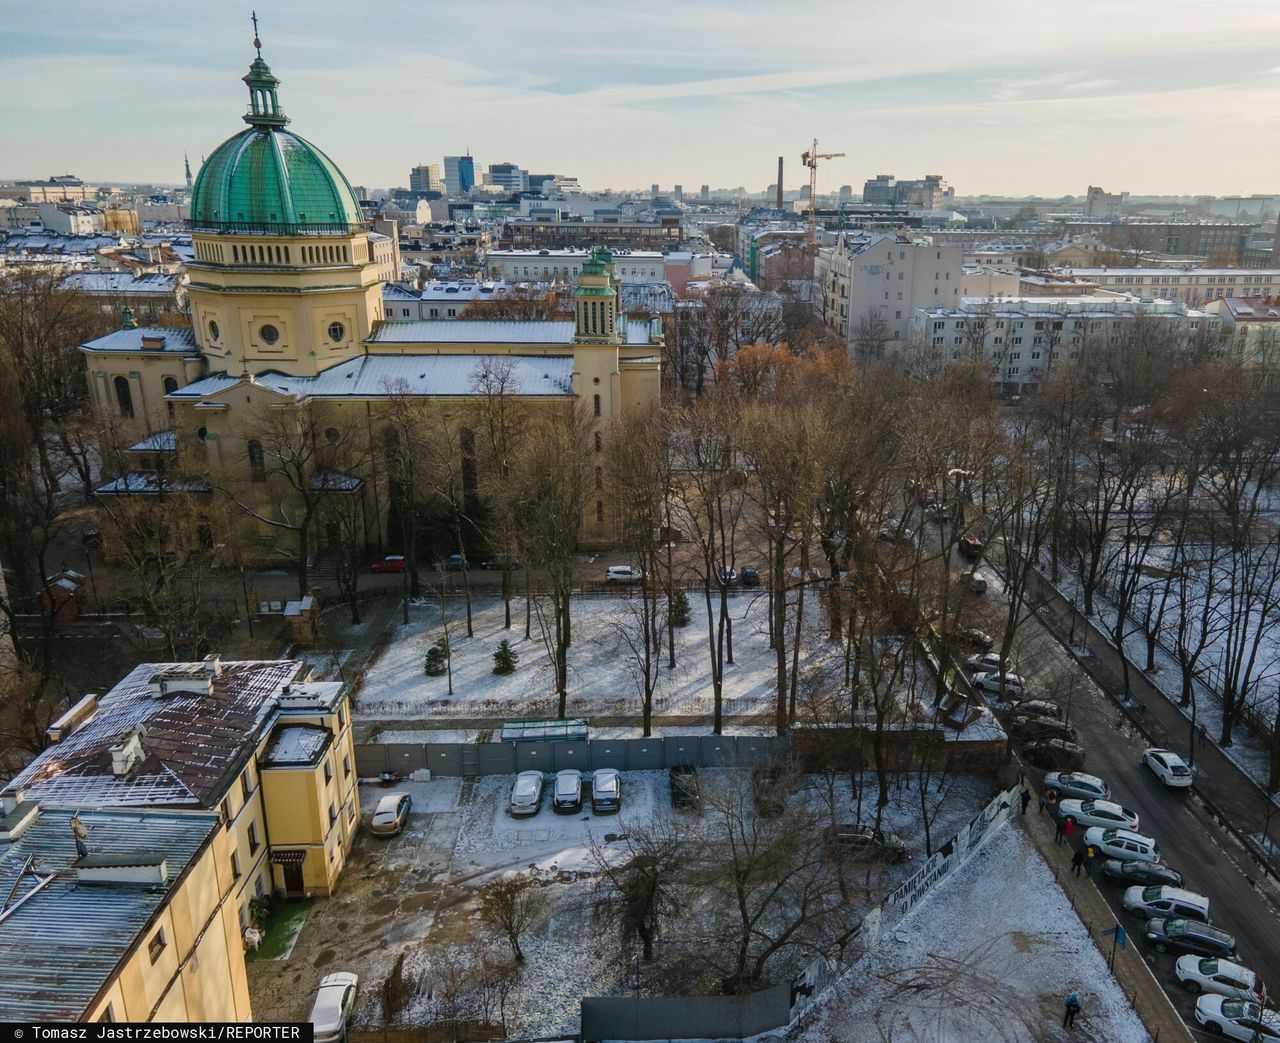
[(810, 160)]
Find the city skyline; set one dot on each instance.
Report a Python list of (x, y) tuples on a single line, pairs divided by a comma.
[(681, 95)]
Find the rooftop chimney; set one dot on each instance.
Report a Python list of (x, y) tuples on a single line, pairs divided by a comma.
[(142, 867), (778, 204), (73, 718), (127, 754)]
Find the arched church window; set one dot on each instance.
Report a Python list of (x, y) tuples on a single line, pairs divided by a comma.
[(596, 402), (257, 463), (124, 397)]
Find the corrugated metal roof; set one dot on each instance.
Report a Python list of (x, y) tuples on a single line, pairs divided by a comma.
[(176, 339), (382, 376), (61, 946), (161, 441), (427, 331), (190, 740), (123, 283)]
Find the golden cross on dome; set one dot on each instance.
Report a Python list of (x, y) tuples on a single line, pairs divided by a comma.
[(256, 42)]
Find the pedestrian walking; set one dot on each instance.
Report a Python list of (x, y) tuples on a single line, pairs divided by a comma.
[(1059, 831), (1071, 1007), (1069, 827), (1204, 735), (1042, 803), (1077, 860), (1089, 854), (1026, 799)]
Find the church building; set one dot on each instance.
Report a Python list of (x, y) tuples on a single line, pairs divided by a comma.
[(286, 308)]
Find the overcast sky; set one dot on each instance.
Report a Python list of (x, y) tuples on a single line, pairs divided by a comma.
[(1031, 97)]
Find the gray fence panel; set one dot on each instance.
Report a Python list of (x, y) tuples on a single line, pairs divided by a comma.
[(685, 1017), (717, 751), (445, 759), (534, 756), (760, 749), (681, 749), (496, 758), (405, 757), (645, 754), (571, 755), (371, 760), (609, 753)]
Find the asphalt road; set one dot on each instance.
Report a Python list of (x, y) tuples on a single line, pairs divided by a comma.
[(1212, 862)]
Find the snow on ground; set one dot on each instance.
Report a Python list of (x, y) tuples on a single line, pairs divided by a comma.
[(440, 794), (601, 663), (989, 955)]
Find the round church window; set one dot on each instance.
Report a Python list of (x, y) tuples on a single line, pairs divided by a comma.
[(337, 331), (269, 334), (213, 330)]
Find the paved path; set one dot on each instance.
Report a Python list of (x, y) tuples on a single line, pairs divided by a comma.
[(365, 725)]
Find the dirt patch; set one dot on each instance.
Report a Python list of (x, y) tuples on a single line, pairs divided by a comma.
[(418, 902), (323, 958), (1020, 941), (383, 905)]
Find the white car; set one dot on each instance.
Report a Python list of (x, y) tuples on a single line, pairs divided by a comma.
[(1168, 767), (1122, 844), (1236, 1019), (1097, 813), (1219, 977), (990, 682), (623, 574), (391, 814), (335, 1002), (1076, 784), (989, 663), (526, 794)]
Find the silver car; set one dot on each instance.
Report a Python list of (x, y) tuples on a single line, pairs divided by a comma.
[(526, 794), (1076, 784)]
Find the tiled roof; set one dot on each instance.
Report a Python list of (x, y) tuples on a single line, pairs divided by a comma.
[(383, 376), (190, 740), (177, 340), (425, 331), (64, 943)]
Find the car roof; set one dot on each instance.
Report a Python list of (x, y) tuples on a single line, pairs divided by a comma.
[(389, 802)]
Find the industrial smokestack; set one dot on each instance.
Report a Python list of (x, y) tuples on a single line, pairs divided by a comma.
[(779, 201)]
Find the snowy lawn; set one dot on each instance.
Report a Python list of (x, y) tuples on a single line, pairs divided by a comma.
[(601, 664), (989, 955)]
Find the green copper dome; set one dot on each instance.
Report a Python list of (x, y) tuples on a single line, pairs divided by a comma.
[(267, 179)]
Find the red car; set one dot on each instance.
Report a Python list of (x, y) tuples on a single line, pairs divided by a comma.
[(391, 563), (971, 546)]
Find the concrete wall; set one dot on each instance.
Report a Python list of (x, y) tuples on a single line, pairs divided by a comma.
[(685, 1017)]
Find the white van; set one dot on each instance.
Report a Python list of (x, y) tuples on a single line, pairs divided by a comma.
[(1162, 901)]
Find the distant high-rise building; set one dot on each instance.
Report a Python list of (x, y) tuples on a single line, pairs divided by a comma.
[(927, 193), (705, 194), (361, 193), (678, 193), (654, 191), (846, 193), (459, 174), (1099, 203), (509, 176), (425, 178)]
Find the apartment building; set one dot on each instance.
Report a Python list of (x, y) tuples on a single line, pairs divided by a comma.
[(1252, 327), (885, 276), (1191, 286), (118, 914), (1023, 337), (258, 742)]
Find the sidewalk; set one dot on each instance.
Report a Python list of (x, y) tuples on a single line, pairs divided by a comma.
[(1131, 971), (1228, 791)]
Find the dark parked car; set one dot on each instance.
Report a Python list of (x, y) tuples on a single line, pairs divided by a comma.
[(1034, 726), (1178, 935), (766, 791), (1055, 754), (1130, 873), (978, 639), (606, 791), (684, 787), (91, 538), (971, 547), (865, 842), (1039, 708), (453, 563), (750, 576), (499, 562)]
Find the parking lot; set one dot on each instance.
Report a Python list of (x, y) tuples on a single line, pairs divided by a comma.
[(418, 892)]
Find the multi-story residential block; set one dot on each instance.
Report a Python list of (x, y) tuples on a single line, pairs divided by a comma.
[(119, 913), (1252, 328), (509, 177), (565, 265), (1193, 286), (71, 218), (612, 230), (65, 188), (255, 741), (930, 192), (1217, 240), (1022, 338), (146, 296), (885, 279)]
